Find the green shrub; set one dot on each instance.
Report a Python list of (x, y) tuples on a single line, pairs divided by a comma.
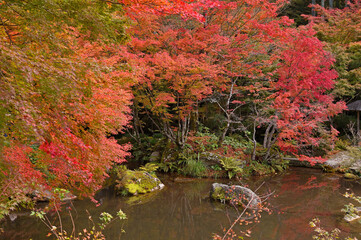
[(194, 168), (342, 144), (232, 166), (149, 167)]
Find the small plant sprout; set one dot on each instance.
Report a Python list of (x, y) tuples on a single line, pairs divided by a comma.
[(121, 215), (105, 219), (94, 232), (38, 214)]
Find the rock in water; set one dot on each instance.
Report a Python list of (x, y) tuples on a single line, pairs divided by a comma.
[(350, 176), (135, 182), (235, 194), (43, 194)]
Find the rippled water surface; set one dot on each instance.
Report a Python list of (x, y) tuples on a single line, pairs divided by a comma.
[(184, 211)]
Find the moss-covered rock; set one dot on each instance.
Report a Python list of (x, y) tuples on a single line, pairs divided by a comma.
[(210, 159), (137, 182), (235, 194), (218, 193), (350, 176)]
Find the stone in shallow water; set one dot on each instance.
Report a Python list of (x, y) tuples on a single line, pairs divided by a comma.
[(138, 182), (43, 194), (350, 218), (350, 176), (235, 193)]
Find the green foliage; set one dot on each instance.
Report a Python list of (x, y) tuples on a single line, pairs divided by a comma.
[(118, 170), (342, 144), (189, 164), (145, 145), (149, 167), (351, 211), (219, 194), (36, 18), (61, 193), (15, 202), (232, 166), (257, 168), (294, 9), (235, 143), (323, 234), (168, 166), (38, 214), (340, 30), (105, 218), (194, 168), (353, 197), (355, 154), (121, 215), (205, 140), (216, 167)]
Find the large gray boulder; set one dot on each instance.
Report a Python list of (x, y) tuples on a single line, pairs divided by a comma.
[(345, 161), (235, 194)]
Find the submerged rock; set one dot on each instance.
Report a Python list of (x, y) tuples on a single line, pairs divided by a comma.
[(183, 179), (135, 182), (235, 194), (43, 194)]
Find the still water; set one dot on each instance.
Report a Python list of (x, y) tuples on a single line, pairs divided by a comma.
[(183, 210)]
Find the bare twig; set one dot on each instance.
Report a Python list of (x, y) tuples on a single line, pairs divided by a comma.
[(239, 217)]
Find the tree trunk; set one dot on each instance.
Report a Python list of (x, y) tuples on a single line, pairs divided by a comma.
[(265, 139), (313, 12), (137, 126), (225, 130), (358, 126), (183, 131), (253, 157), (323, 3), (270, 141), (330, 3)]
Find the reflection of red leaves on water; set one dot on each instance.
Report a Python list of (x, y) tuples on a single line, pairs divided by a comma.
[(311, 183), (289, 183), (304, 200), (295, 226)]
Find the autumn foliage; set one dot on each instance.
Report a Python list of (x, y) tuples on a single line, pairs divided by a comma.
[(60, 99), (300, 99), (76, 73)]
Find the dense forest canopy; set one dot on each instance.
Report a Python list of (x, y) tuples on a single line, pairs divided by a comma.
[(76, 74)]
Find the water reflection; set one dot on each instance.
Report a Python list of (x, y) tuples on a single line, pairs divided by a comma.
[(184, 210)]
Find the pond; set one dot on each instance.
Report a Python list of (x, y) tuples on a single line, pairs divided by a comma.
[(183, 210)]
